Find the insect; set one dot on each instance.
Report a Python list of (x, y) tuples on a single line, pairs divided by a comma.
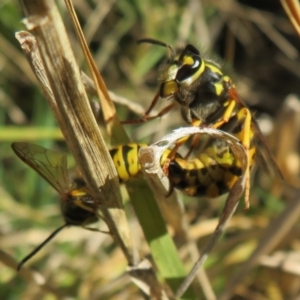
[(126, 162), (207, 97), (77, 206), (211, 173)]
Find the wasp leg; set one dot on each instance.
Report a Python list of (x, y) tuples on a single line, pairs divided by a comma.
[(241, 128), (227, 114), (90, 220), (85, 224), (182, 141), (173, 152), (153, 103), (195, 139), (194, 145), (84, 206), (244, 116), (146, 117)]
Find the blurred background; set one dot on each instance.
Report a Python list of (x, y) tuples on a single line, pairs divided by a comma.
[(256, 43)]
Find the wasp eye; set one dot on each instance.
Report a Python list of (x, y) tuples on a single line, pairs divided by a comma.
[(187, 72)]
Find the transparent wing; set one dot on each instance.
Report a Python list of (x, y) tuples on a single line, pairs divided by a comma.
[(264, 157), (52, 166)]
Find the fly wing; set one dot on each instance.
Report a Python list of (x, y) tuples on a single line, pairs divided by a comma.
[(52, 166)]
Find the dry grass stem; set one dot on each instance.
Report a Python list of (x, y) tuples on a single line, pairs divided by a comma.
[(73, 113)]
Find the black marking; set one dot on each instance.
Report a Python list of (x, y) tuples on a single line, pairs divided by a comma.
[(204, 171), (235, 170), (79, 183), (74, 214), (113, 152), (125, 150), (187, 71), (193, 172), (190, 49)]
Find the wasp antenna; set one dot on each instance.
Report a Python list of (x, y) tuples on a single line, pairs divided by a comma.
[(38, 248), (159, 43)]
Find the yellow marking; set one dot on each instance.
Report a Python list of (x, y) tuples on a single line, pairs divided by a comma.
[(168, 89), (212, 168), (218, 88), (188, 60), (230, 179), (201, 69), (226, 160), (246, 143), (119, 163), (132, 160), (196, 122), (78, 193), (202, 177), (213, 68), (227, 114), (252, 152), (80, 204), (190, 191), (247, 127), (190, 80)]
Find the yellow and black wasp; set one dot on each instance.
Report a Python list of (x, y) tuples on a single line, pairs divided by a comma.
[(210, 174), (77, 206), (207, 97)]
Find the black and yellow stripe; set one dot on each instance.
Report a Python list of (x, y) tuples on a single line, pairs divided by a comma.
[(209, 175), (126, 162), (125, 158), (212, 173)]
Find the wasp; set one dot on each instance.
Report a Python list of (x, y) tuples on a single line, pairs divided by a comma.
[(209, 174), (212, 173), (78, 208), (209, 98)]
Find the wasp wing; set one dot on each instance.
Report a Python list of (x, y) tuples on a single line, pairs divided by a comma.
[(51, 165), (264, 156)]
